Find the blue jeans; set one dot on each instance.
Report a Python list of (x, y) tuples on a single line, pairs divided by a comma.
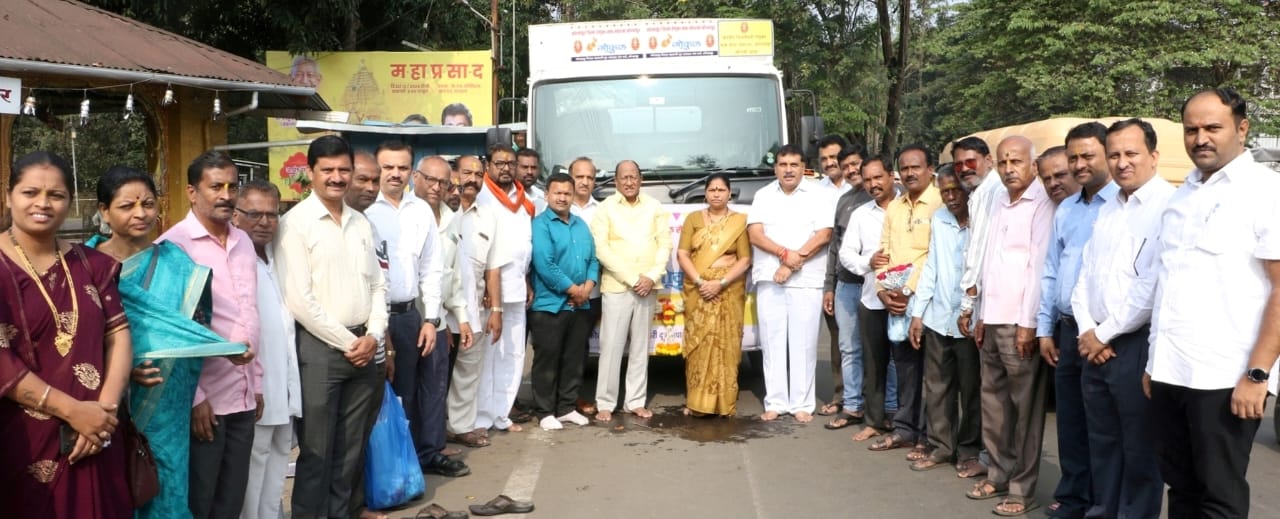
[(850, 342)]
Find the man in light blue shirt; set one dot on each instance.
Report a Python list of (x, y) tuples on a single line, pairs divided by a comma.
[(951, 364), (565, 269), (1056, 326)]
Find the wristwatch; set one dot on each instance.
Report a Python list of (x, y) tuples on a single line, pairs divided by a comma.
[(434, 321), (1257, 375), (906, 291)]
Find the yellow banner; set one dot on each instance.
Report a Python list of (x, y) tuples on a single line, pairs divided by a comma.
[(437, 88), (746, 38)]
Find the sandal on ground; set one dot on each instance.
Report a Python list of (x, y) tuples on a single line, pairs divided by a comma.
[(435, 511), (866, 433), (1014, 507), (970, 468), (844, 420), (519, 416), (918, 453), (829, 409), (471, 439), (502, 505), (986, 489), (890, 442), (585, 407), (929, 463)]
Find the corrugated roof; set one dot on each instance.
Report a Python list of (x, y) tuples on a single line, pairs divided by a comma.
[(71, 33)]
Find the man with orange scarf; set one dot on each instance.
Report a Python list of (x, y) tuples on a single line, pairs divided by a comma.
[(503, 364)]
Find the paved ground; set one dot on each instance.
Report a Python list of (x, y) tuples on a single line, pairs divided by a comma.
[(672, 466)]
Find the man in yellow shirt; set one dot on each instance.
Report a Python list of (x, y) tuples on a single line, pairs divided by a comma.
[(905, 240), (632, 233)]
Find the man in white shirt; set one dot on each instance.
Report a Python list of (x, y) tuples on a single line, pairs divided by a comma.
[(1113, 334), (258, 214), (584, 204), (336, 292), (974, 167), (1215, 327), (789, 225), (860, 254), (504, 362), (482, 253), (405, 224)]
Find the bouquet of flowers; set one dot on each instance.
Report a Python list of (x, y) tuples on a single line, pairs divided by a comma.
[(893, 279)]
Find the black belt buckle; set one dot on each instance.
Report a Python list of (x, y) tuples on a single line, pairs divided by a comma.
[(401, 307)]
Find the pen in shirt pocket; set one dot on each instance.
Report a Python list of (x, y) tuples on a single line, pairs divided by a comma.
[(1137, 256), (1211, 211)]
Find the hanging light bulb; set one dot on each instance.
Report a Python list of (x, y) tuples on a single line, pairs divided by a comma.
[(29, 106), (84, 110), (168, 97), (128, 106), (217, 107)]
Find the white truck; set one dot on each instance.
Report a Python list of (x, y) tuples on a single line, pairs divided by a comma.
[(682, 98)]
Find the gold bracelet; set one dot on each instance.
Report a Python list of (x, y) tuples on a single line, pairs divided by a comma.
[(44, 398)]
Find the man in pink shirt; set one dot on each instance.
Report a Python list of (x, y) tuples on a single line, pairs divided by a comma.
[(229, 394), (1014, 379)]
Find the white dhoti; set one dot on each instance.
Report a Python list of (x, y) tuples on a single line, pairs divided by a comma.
[(501, 371), (789, 322)]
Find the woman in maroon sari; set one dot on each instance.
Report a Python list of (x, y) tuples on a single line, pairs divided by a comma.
[(63, 375)]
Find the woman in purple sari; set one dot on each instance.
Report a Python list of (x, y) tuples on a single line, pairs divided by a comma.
[(65, 358)]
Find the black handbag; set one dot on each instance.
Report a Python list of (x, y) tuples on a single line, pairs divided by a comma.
[(140, 464)]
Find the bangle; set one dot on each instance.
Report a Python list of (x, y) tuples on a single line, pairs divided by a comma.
[(784, 255), (44, 398)]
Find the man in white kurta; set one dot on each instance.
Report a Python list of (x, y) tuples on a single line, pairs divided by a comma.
[(789, 225), (258, 214), (504, 361)]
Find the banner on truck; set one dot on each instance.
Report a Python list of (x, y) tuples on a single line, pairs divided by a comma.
[(436, 88), (655, 39), (667, 336)]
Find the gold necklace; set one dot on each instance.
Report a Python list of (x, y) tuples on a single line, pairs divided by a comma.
[(66, 325)]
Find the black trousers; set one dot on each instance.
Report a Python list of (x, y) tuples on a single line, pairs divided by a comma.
[(1126, 477), (420, 382), (1203, 451), (220, 468), (593, 319), (908, 422), (876, 348), (558, 343), (339, 406), (1074, 490)]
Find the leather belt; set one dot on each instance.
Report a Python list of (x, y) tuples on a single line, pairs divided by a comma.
[(358, 331), (401, 307)]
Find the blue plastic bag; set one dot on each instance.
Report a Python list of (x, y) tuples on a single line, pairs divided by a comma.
[(392, 476)]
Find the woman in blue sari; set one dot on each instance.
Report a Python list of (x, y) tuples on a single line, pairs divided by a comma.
[(166, 298)]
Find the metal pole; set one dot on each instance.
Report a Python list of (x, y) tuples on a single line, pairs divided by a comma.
[(493, 24), (75, 175)]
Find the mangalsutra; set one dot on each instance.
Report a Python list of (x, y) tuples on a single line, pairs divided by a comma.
[(64, 323)]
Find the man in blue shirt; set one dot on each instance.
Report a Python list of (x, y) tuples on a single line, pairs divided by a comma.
[(951, 364), (564, 271), (1056, 326)]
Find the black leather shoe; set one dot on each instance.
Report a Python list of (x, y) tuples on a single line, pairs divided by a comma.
[(446, 467)]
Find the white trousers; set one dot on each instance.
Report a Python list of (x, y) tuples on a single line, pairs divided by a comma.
[(625, 318), (267, 465), (500, 373), (789, 321)]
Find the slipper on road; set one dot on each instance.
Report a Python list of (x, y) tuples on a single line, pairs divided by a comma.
[(502, 505)]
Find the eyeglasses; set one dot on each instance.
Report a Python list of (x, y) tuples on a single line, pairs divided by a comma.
[(257, 216), (500, 164), (431, 182), (967, 165)]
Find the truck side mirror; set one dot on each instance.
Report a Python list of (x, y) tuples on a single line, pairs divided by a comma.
[(811, 129)]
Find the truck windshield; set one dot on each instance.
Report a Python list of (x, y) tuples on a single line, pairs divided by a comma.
[(671, 124)]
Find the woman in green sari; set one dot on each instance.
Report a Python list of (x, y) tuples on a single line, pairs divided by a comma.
[(166, 298), (714, 254)]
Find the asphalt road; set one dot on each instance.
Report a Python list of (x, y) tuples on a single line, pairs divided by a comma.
[(675, 467)]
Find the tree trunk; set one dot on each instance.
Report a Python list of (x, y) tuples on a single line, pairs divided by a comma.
[(353, 29), (895, 64)]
